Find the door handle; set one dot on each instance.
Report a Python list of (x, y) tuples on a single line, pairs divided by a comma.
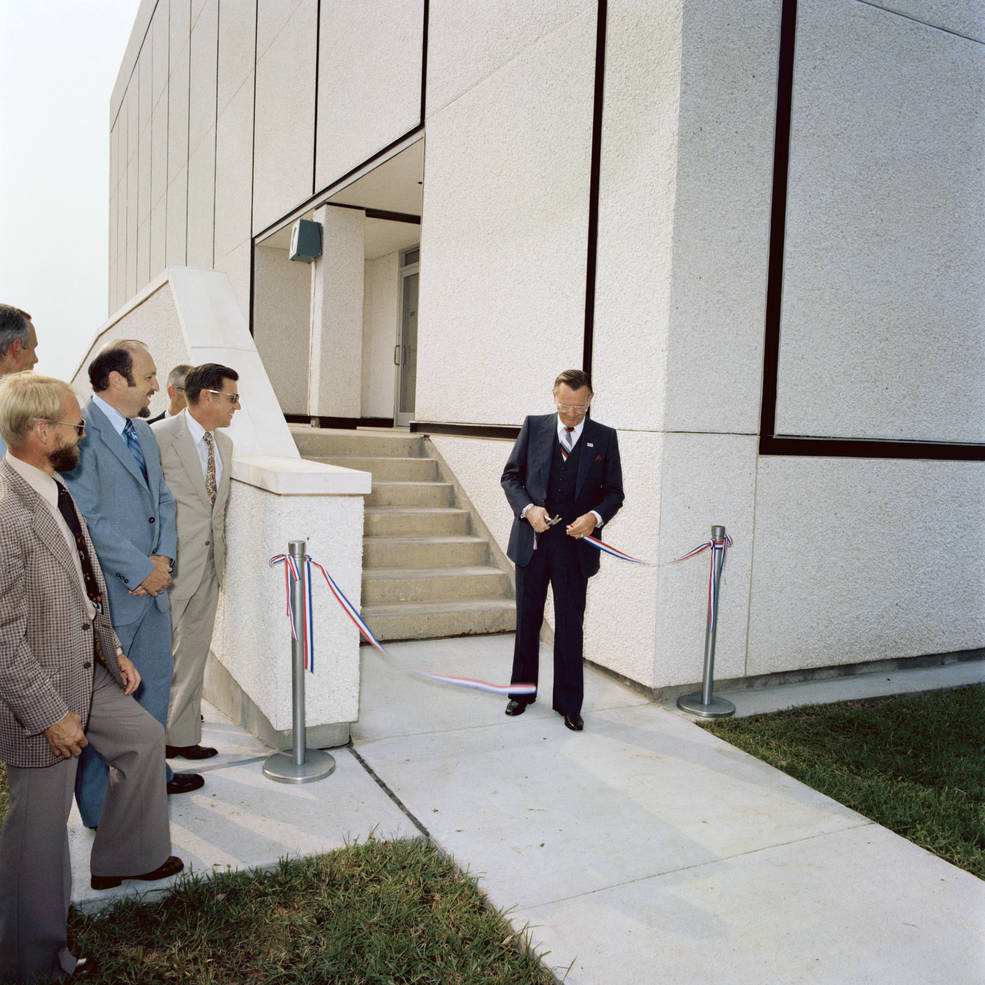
[(397, 354)]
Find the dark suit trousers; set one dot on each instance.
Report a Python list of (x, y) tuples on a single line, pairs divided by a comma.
[(554, 562)]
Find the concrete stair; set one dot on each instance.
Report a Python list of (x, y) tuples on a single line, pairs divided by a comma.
[(428, 571)]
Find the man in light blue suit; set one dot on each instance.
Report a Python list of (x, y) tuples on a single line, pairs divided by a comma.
[(119, 487), (18, 345)]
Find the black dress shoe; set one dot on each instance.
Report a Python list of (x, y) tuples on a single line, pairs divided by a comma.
[(171, 866), (574, 722), (190, 752), (85, 969), (185, 782), (515, 707)]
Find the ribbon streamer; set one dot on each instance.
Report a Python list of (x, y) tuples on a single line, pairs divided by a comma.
[(362, 626), (715, 545)]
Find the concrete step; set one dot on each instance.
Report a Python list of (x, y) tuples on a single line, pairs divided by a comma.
[(429, 620), (389, 585), (411, 494), (424, 552), (387, 521), (391, 469), (326, 443)]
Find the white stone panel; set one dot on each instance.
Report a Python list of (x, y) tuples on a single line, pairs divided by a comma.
[(252, 637), (237, 44), (178, 111), (159, 152), (131, 107), (144, 151), (503, 243), (883, 300), (285, 110), (860, 560), (202, 86), (636, 211), (201, 203), (233, 171), (236, 266), (281, 324), (158, 238), (144, 79), (159, 34), (131, 217), (381, 323), (177, 221), (337, 313), (179, 28), (966, 17), (467, 42), (369, 81), (722, 216)]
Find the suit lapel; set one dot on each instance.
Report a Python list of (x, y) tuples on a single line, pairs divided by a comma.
[(190, 462), (542, 449), (589, 434), (225, 447), (98, 422), (45, 526)]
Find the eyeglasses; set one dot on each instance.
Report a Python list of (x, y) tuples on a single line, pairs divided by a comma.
[(574, 407), (80, 429), (233, 397)]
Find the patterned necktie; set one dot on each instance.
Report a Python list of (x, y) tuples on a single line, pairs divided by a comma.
[(566, 445), (66, 506), (133, 443), (210, 467)]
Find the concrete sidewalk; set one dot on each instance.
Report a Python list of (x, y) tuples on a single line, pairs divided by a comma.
[(642, 850)]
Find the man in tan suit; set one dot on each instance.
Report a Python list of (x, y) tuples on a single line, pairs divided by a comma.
[(197, 460), (64, 684)]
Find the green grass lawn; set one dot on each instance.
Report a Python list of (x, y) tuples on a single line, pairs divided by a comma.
[(914, 763)]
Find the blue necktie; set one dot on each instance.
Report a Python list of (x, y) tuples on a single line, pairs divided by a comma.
[(133, 444)]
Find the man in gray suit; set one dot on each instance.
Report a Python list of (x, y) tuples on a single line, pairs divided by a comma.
[(120, 488), (197, 459), (64, 686), (18, 344)]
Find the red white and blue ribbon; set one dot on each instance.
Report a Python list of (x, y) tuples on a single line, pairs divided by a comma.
[(615, 552), (293, 573), (717, 546), (353, 613)]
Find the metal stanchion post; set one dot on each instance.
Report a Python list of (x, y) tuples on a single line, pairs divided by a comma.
[(302, 765), (704, 703)]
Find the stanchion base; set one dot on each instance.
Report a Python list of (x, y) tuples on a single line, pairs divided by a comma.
[(718, 708), (282, 768)]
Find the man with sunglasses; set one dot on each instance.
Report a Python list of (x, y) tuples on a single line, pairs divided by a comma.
[(197, 460), (563, 480)]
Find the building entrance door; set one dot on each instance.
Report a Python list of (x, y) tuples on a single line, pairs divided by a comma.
[(405, 350)]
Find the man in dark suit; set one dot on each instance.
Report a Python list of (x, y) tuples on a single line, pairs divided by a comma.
[(176, 394), (64, 686), (120, 488), (563, 480), (18, 344)]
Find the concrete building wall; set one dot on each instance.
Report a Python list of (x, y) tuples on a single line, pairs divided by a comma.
[(880, 309), (506, 205)]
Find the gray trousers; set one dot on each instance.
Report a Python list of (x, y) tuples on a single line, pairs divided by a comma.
[(192, 622), (133, 836)]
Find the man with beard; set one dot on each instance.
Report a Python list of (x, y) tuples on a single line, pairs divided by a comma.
[(64, 686), (120, 489), (18, 344)]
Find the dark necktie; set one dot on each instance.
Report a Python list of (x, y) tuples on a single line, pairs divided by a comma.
[(66, 506), (133, 443)]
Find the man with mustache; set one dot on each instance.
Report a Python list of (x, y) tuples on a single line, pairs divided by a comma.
[(120, 488), (64, 687)]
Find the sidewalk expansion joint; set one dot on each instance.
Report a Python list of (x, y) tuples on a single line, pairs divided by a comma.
[(379, 782)]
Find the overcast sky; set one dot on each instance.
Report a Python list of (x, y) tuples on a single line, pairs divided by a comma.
[(58, 65)]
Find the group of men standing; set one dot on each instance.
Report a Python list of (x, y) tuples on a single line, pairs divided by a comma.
[(112, 550)]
